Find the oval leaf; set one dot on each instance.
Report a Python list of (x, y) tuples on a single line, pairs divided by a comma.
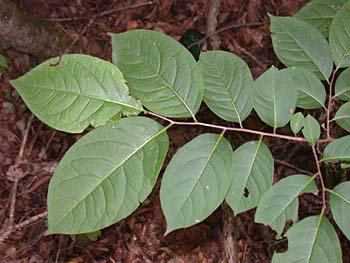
[(253, 175), (311, 130), (339, 37), (298, 44), (227, 85), (342, 117), (274, 97), (313, 239), (340, 206), (297, 122), (338, 150), (79, 91), (160, 72), (104, 176), (320, 13), (342, 85), (311, 92), (196, 181), (280, 203)]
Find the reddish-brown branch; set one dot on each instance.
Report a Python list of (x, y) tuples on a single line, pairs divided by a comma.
[(330, 97), (321, 178)]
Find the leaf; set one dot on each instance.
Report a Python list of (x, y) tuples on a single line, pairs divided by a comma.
[(228, 85), (274, 97), (104, 176), (320, 14), (313, 239), (342, 85), (253, 175), (342, 117), (79, 91), (311, 92), (297, 122), (297, 44), (340, 206), (160, 72), (280, 202), (191, 39), (311, 130), (196, 181), (339, 37), (338, 150)]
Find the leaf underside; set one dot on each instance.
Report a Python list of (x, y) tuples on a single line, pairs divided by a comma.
[(80, 90), (313, 239), (104, 176), (196, 181), (252, 176)]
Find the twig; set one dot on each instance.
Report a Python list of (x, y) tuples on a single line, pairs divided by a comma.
[(107, 12), (330, 97), (17, 176), (321, 177), (293, 167), (232, 26), (23, 224), (197, 123)]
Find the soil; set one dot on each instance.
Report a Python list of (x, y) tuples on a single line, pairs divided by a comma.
[(139, 238)]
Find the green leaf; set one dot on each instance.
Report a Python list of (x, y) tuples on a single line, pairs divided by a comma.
[(311, 130), (311, 92), (313, 239), (320, 13), (253, 175), (342, 117), (298, 44), (79, 91), (338, 150), (160, 72), (274, 97), (104, 176), (196, 181), (280, 203), (191, 39), (340, 206), (3, 62), (339, 37), (228, 85), (297, 122), (342, 85)]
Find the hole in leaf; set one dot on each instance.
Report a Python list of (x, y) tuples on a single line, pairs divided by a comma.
[(246, 192)]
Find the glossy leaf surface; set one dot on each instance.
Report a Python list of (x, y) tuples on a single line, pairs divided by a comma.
[(228, 85), (104, 176), (196, 180), (252, 176), (160, 72), (80, 90)]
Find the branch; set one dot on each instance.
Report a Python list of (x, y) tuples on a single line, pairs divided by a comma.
[(321, 177), (330, 97)]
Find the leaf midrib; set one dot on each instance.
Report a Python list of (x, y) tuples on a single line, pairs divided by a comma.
[(300, 46), (200, 173), (113, 170), (89, 96)]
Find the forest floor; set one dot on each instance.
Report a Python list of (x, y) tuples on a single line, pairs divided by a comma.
[(30, 150)]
